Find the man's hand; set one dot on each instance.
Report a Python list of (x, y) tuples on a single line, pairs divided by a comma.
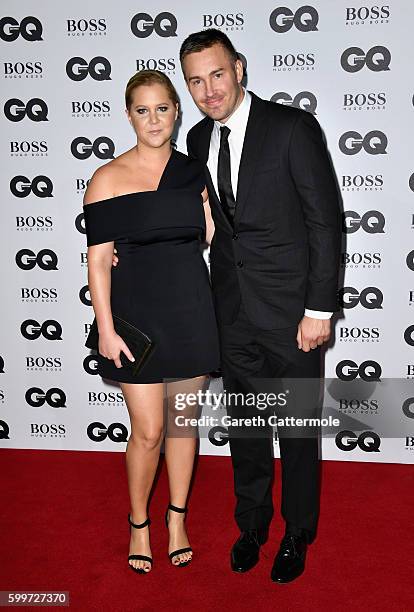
[(115, 259), (312, 333)]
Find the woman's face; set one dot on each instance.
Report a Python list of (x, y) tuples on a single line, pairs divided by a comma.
[(152, 114)]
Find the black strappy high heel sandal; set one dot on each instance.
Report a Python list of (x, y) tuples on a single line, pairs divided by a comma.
[(180, 550), (139, 570)]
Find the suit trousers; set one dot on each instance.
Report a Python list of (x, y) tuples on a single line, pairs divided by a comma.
[(256, 361)]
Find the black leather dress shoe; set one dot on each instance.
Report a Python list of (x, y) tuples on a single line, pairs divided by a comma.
[(245, 552), (289, 562)]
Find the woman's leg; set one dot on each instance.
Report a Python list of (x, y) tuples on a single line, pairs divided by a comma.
[(180, 447), (145, 407)]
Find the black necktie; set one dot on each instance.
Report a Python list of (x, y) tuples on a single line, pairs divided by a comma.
[(224, 174)]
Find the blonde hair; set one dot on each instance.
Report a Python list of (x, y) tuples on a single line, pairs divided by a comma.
[(149, 77)]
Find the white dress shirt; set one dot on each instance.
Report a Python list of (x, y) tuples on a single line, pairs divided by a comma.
[(237, 124)]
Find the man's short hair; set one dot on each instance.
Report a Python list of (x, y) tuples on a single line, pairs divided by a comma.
[(198, 41)]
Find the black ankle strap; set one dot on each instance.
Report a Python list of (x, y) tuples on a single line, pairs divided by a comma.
[(177, 509), (141, 525)]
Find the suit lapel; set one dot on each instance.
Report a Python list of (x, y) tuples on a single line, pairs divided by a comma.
[(253, 141)]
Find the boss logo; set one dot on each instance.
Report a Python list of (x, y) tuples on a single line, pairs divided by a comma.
[(41, 186), (80, 223), (43, 430), (377, 59), (90, 364), (359, 181), (34, 294), (372, 222), (373, 13), (102, 147), (49, 329), (55, 397), (85, 296), (373, 143), (4, 430), (80, 27), (35, 109), (38, 223), (305, 19), (116, 432), (164, 24), (410, 260), (43, 363), (81, 184), (368, 370), (105, 398), (25, 147), (368, 441), (230, 21), (409, 335), (84, 259), (218, 436), (97, 107), (363, 334), (370, 298), (45, 259), (162, 64), (29, 28), (99, 69), (355, 405), (366, 260), (298, 61), (361, 99), (27, 69), (408, 407), (1, 365), (304, 100)]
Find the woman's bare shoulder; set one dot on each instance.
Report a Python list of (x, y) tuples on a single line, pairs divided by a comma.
[(102, 185)]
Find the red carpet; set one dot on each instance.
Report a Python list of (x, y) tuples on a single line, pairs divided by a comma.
[(64, 527)]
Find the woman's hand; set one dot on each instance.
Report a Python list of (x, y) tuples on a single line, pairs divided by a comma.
[(111, 345)]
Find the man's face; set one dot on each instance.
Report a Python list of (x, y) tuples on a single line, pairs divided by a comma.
[(214, 81)]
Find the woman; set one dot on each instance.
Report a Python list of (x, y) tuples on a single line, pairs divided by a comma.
[(148, 204)]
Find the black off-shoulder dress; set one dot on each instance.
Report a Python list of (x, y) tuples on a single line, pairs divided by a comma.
[(161, 284)]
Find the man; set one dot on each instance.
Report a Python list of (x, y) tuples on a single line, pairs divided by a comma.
[(274, 267)]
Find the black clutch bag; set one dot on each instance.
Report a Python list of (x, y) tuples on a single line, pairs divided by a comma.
[(138, 343)]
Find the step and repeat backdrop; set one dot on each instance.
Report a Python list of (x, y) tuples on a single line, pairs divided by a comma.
[(64, 68)]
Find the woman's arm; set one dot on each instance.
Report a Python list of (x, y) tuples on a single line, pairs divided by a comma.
[(208, 217), (99, 277)]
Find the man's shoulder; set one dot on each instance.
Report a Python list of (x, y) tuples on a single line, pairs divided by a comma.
[(198, 127), (280, 112)]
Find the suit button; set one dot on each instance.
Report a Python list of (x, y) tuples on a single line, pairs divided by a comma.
[(240, 264), (235, 236)]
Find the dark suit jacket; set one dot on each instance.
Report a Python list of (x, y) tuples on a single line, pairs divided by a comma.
[(282, 252)]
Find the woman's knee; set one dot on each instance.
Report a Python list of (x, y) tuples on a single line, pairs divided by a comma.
[(150, 438)]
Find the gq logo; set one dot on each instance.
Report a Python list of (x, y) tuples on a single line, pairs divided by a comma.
[(45, 259), (304, 100), (376, 59), (29, 28), (1, 365), (41, 186), (90, 364), (408, 407), (102, 147), (84, 296), (370, 298), (32, 330), (80, 223), (218, 436), (117, 432), (368, 370), (409, 335), (55, 397), (99, 69), (305, 19), (372, 222), (164, 24), (36, 110), (374, 143), (411, 182), (410, 260), (368, 441), (4, 431)]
